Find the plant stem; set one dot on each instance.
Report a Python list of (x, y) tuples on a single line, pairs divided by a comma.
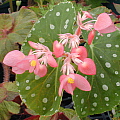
[(11, 5), (6, 70)]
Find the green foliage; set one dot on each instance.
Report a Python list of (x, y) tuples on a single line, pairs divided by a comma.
[(41, 94), (13, 29), (7, 107), (94, 3), (105, 84)]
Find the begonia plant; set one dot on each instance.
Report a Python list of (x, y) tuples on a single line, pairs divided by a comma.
[(52, 59)]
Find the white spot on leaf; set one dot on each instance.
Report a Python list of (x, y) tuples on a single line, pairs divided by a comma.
[(82, 101), (116, 72), (65, 26), (27, 88), (95, 95), (52, 26), (93, 109), (107, 64), (42, 40), (94, 104), (67, 9), (108, 45), (27, 81), (105, 87), (102, 75), (45, 100), (48, 85), (106, 98), (57, 13), (51, 109), (117, 83), (108, 35), (33, 95), (114, 55), (44, 108), (37, 77), (117, 46)]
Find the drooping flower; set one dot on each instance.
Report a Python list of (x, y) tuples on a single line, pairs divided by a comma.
[(91, 36), (87, 67), (104, 24), (71, 81), (58, 49), (12, 59)]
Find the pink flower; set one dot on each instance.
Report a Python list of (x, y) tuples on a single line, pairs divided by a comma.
[(104, 24), (87, 67), (12, 59), (30, 63), (58, 49), (71, 81), (81, 52)]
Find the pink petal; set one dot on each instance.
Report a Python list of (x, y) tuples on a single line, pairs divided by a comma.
[(78, 31), (24, 64), (69, 88), (81, 50), (13, 57), (86, 15), (51, 61), (87, 67), (63, 81), (91, 36), (17, 70), (42, 71), (82, 83), (58, 49), (104, 24)]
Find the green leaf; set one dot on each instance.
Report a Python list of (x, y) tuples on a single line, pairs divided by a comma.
[(4, 113), (3, 93), (7, 107), (14, 29), (71, 114), (41, 94), (117, 7), (58, 20), (12, 107), (106, 83)]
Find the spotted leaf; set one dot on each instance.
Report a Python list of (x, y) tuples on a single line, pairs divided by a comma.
[(106, 83), (41, 94), (58, 20)]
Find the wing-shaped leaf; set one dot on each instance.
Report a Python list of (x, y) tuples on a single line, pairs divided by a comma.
[(41, 94), (14, 29), (106, 83)]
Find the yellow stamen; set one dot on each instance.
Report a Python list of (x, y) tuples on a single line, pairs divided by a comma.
[(70, 80), (33, 63)]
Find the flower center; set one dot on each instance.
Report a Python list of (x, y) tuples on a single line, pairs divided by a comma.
[(70, 80), (33, 63)]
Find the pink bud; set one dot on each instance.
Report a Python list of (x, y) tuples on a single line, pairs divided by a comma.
[(58, 49), (87, 67), (91, 36)]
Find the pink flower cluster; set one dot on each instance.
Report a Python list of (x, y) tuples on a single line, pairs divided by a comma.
[(38, 60), (103, 24)]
